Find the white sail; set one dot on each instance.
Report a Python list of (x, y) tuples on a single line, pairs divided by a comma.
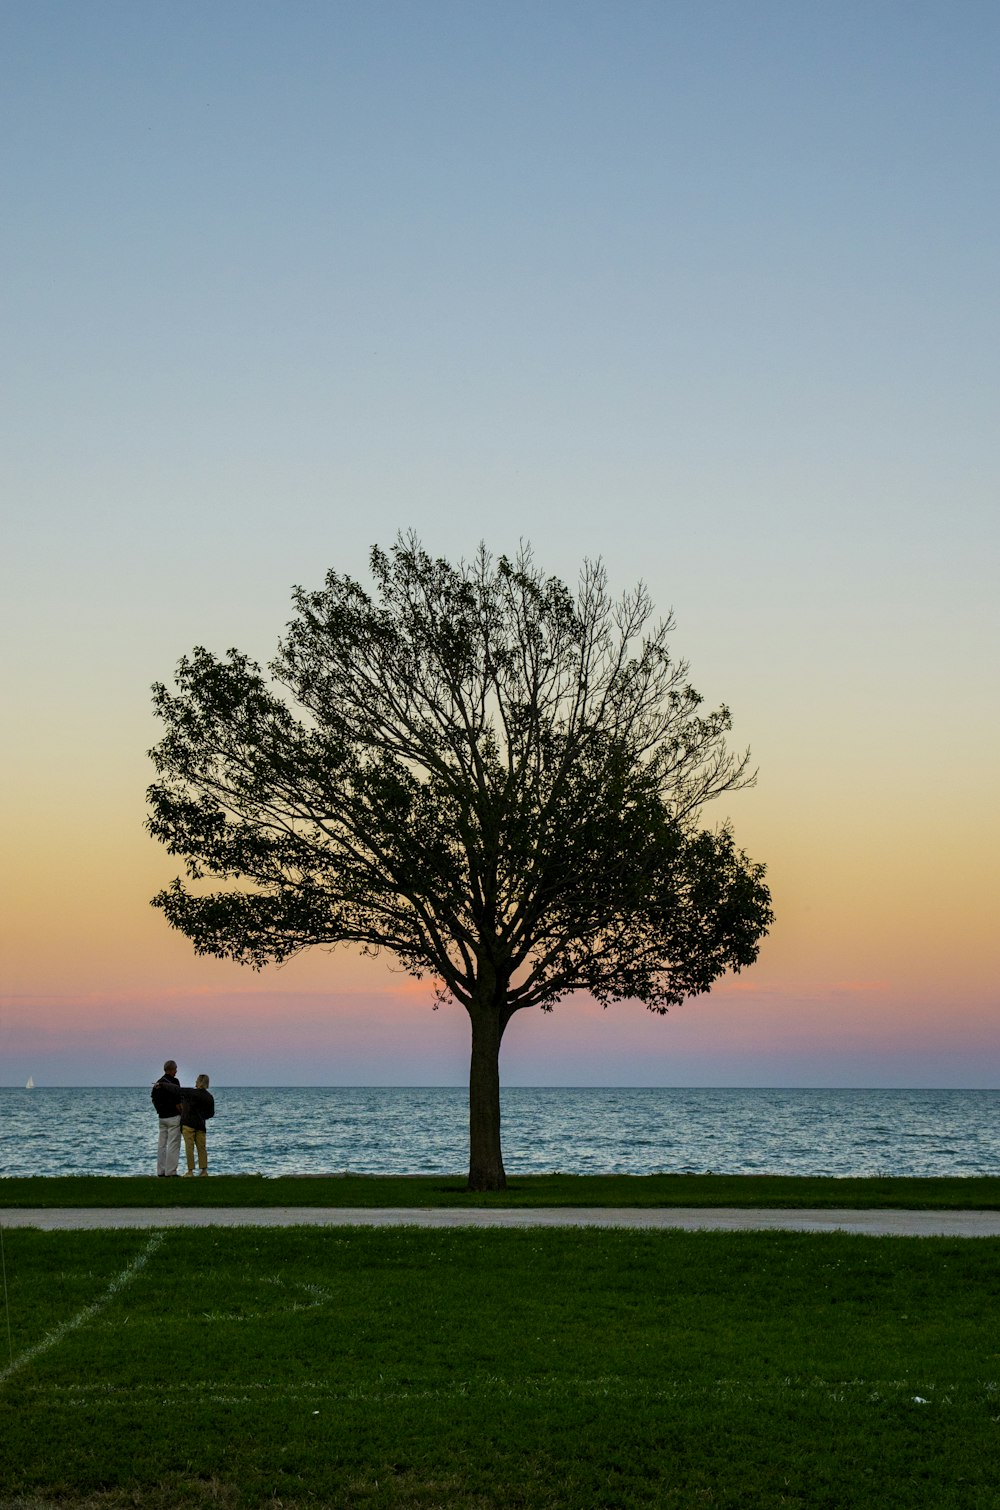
[(31, 1083)]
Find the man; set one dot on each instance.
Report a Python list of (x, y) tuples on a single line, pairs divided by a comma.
[(165, 1096)]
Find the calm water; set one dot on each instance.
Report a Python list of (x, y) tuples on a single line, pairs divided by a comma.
[(313, 1130)]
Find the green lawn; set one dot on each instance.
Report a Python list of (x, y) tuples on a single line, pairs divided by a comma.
[(527, 1190), (476, 1370)]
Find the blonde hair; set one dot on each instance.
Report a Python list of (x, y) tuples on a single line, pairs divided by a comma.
[(202, 1083)]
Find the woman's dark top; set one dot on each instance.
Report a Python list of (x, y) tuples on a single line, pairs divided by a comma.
[(197, 1107)]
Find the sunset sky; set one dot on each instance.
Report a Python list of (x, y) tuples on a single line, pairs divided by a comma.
[(709, 290)]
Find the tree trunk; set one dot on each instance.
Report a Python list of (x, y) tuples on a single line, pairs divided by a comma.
[(486, 1171)]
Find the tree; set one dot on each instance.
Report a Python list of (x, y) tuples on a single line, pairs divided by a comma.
[(492, 778)]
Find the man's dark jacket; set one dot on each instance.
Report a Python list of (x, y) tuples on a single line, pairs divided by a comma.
[(165, 1096), (199, 1105)]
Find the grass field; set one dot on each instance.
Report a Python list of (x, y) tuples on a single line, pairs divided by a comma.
[(483, 1369), (529, 1190)]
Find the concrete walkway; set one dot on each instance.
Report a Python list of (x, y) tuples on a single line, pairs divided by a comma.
[(689, 1219)]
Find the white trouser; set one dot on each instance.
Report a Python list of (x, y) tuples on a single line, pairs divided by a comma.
[(169, 1146)]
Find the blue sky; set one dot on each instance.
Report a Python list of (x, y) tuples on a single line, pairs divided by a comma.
[(708, 290)]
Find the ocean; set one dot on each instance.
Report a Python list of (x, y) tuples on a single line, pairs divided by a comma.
[(324, 1130)]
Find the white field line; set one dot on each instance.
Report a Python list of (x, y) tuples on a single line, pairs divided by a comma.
[(119, 1283)]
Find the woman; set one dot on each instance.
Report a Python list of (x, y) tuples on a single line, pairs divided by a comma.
[(197, 1106)]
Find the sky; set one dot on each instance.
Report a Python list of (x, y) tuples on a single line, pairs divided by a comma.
[(708, 290)]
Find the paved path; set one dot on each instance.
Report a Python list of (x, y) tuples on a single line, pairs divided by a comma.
[(687, 1218)]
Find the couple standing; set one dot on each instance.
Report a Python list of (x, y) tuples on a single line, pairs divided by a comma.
[(181, 1111)]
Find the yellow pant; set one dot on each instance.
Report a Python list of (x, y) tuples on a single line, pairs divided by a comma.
[(194, 1138)]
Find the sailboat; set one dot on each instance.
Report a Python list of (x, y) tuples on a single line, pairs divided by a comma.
[(31, 1083)]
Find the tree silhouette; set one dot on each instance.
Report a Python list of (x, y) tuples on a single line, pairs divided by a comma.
[(491, 777)]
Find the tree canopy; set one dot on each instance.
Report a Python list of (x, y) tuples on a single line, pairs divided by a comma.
[(492, 777)]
